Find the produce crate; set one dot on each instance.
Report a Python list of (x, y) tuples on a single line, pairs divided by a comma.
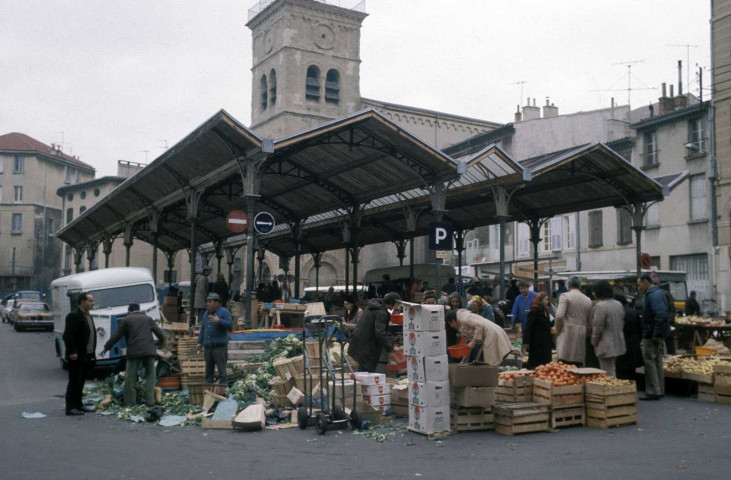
[(706, 393), (722, 374), (471, 419), (546, 393), (186, 379), (517, 390), (601, 390), (698, 377), (723, 393), (197, 391), (611, 416), (519, 418), (568, 417)]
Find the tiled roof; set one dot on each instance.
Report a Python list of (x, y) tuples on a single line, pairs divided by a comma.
[(20, 142)]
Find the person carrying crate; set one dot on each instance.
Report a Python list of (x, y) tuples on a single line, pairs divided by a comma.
[(369, 338)]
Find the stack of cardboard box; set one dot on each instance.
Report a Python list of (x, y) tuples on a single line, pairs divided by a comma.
[(425, 346), (374, 389), (472, 396)]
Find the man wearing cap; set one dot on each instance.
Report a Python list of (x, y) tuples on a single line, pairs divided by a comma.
[(201, 292), (369, 338), (138, 329), (215, 325)]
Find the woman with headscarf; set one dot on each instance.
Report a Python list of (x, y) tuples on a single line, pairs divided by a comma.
[(479, 306), (483, 336), (352, 313), (537, 334)]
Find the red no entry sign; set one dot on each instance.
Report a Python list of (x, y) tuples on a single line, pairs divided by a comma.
[(237, 221)]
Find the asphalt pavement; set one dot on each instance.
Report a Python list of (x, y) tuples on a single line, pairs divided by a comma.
[(675, 438)]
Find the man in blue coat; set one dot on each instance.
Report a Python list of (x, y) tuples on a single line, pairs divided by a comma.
[(215, 325), (521, 306), (655, 327)]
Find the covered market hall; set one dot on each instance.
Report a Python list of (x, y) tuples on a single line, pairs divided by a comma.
[(355, 181)]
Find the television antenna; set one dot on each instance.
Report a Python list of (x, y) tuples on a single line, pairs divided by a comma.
[(629, 88), (687, 61), (521, 83)]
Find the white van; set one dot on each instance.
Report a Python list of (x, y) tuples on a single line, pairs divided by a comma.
[(113, 290)]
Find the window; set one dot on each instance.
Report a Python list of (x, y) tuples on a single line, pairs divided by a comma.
[(19, 164), (78, 176), (649, 155), (523, 239), (96, 192), (67, 258), (121, 296), (656, 263), (652, 216), (83, 194), (312, 84), (50, 227), (595, 229), (70, 196), (17, 226), (1, 193), (17, 194), (624, 227), (698, 198), (82, 210), (67, 175), (570, 223), (273, 87), (69, 215), (332, 86), (695, 137), (546, 237), (557, 234), (263, 92), (2, 169)]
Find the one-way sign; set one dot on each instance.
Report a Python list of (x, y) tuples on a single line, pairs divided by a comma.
[(264, 222)]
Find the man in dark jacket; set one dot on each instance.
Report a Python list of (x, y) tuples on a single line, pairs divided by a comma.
[(79, 338), (691, 305), (137, 329), (369, 338), (217, 322), (655, 327)]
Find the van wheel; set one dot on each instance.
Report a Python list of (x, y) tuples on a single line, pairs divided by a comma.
[(17, 328)]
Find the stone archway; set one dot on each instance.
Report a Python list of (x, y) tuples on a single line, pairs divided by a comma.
[(328, 275)]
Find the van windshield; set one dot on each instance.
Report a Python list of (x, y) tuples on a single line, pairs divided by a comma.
[(123, 296)]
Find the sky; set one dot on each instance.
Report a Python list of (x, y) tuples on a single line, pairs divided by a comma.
[(122, 80)]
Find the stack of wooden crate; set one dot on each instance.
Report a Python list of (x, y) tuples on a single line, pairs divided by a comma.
[(516, 418), (515, 390), (721, 383), (192, 364), (611, 406), (566, 402), (471, 408)]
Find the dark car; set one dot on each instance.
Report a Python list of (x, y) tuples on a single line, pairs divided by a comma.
[(32, 315)]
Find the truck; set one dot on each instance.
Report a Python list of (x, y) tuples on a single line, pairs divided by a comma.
[(113, 290)]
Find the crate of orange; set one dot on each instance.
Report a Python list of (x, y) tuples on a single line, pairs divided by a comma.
[(555, 385)]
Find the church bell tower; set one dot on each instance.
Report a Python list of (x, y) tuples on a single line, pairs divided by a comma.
[(306, 64)]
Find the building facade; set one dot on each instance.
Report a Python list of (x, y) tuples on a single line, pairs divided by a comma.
[(30, 211)]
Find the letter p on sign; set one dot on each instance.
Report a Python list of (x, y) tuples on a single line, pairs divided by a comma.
[(441, 236)]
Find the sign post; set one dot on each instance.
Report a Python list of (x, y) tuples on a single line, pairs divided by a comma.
[(441, 239)]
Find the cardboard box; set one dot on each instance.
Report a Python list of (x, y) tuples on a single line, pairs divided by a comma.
[(375, 389), (415, 368), (170, 300), (378, 401), (252, 417), (400, 395), (365, 378), (436, 369), (429, 394), (429, 419), (351, 388), (427, 344), (423, 318), (482, 397), (473, 375)]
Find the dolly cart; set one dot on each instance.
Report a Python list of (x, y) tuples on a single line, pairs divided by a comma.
[(331, 413)]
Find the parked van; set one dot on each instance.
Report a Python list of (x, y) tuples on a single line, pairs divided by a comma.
[(400, 275), (113, 290)]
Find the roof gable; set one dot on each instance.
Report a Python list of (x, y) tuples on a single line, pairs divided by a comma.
[(20, 142)]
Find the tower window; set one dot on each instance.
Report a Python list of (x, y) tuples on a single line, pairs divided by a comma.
[(273, 87), (332, 87), (312, 85), (263, 90)]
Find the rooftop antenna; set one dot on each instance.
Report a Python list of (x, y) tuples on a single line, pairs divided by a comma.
[(146, 151), (629, 88), (62, 141), (687, 61), (166, 144), (521, 83)]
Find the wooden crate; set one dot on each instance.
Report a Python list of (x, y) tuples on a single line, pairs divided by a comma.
[(471, 419), (612, 416), (723, 393), (546, 393), (700, 378), (518, 390), (197, 391), (562, 417), (599, 389), (706, 393), (519, 418), (598, 402)]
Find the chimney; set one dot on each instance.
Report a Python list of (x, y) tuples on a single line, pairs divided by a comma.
[(531, 112), (652, 110), (518, 116), (671, 91), (550, 110), (665, 103), (680, 78)]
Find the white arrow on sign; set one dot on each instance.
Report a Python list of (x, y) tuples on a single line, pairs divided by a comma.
[(264, 223), (238, 221)]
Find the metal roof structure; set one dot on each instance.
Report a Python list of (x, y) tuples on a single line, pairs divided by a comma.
[(339, 165)]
